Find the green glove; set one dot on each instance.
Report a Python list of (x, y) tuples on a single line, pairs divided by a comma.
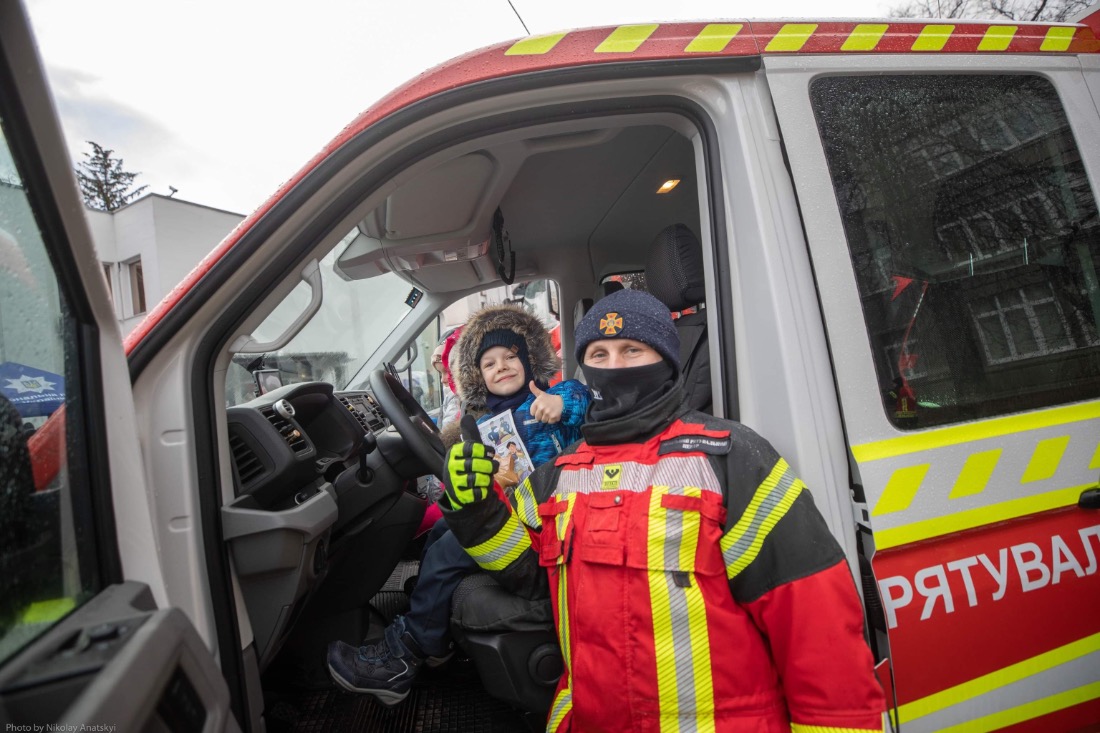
[(469, 467)]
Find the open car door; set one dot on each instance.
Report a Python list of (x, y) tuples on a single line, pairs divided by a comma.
[(86, 642), (964, 192)]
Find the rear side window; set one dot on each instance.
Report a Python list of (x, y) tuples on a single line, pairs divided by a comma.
[(974, 236)]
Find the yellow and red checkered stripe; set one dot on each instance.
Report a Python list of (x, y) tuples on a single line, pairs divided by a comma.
[(688, 40)]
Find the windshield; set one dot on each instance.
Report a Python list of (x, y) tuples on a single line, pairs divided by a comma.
[(354, 318)]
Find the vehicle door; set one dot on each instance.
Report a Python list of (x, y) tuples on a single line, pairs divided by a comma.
[(949, 203), (83, 644)]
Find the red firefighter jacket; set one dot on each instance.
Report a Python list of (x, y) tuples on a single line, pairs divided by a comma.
[(695, 586)]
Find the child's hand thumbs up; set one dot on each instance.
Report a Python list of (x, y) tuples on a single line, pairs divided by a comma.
[(546, 407)]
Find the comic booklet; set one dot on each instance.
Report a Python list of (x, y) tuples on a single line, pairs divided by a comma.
[(500, 432)]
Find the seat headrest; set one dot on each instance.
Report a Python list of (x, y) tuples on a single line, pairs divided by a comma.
[(674, 269), (580, 309)]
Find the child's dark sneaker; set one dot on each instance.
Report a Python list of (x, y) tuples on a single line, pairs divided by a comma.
[(385, 669)]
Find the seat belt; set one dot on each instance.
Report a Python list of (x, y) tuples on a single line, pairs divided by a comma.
[(697, 332)]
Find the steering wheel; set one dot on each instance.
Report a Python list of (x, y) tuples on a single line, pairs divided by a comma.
[(409, 418)]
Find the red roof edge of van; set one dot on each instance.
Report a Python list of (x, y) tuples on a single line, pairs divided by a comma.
[(1092, 20), (651, 42)]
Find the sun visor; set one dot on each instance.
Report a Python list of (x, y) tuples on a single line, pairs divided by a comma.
[(441, 201), (366, 257), (363, 258)]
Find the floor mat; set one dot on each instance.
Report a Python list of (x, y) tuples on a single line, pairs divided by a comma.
[(450, 699), (447, 700)]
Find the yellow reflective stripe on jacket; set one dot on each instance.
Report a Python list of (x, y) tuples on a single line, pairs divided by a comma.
[(562, 520), (563, 703), (685, 688), (563, 700), (527, 506), (564, 637), (502, 549), (769, 504), (796, 728)]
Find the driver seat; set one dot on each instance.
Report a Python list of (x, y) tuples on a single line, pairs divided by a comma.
[(511, 641)]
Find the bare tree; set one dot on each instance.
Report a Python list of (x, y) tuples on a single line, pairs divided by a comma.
[(1038, 10), (933, 9), (104, 184), (1051, 11)]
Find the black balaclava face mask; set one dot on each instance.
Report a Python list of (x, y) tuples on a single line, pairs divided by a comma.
[(619, 392)]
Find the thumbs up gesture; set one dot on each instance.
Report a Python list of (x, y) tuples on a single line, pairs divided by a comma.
[(546, 407), (469, 467)]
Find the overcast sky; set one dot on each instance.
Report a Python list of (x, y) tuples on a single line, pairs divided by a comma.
[(226, 99)]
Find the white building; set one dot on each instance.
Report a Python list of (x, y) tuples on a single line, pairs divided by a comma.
[(150, 245)]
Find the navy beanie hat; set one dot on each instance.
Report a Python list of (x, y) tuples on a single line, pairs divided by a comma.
[(511, 340), (630, 314)]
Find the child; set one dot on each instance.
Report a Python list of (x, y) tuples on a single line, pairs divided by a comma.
[(503, 361)]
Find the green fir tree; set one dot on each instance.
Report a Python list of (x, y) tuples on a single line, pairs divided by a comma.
[(104, 184)]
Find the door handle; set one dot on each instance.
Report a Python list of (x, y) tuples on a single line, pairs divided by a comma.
[(1090, 499)]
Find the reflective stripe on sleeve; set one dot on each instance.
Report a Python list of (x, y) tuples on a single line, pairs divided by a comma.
[(527, 506), (503, 548), (769, 504)]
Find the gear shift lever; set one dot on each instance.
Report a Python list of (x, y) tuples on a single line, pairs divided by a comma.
[(365, 473)]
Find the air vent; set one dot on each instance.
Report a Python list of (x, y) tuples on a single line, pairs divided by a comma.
[(249, 466), (291, 434), (372, 425)]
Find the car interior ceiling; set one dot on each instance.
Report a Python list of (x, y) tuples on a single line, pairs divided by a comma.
[(576, 206), (579, 203)]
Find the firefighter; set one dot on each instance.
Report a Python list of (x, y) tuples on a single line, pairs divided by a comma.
[(693, 581)]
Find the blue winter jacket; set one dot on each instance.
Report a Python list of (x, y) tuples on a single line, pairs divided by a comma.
[(544, 441)]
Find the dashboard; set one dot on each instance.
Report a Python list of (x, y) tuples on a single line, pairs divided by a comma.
[(289, 441), (325, 502)]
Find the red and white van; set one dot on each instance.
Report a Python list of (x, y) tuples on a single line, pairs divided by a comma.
[(901, 249)]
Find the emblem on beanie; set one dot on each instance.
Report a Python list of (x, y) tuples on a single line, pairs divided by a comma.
[(611, 324)]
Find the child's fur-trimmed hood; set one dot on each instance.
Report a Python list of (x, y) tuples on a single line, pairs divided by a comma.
[(464, 362)]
